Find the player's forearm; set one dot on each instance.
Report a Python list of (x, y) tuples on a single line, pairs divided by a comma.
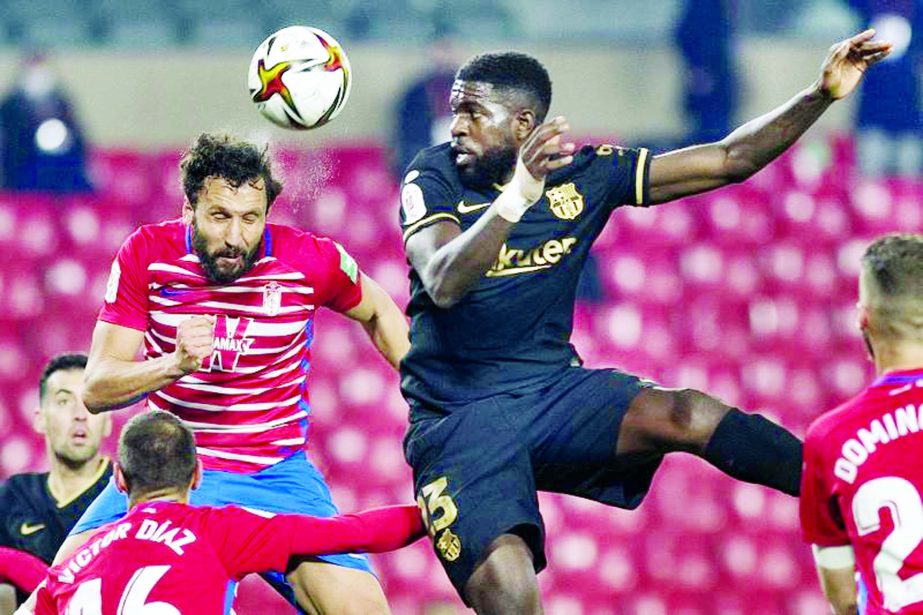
[(111, 383), (459, 264), (7, 599), (758, 142), (389, 332), (845, 609), (22, 569), (371, 531)]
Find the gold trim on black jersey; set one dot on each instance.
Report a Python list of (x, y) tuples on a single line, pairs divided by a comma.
[(413, 228), (103, 466), (639, 175)]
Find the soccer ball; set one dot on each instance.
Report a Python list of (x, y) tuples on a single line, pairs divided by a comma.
[(299, 77)]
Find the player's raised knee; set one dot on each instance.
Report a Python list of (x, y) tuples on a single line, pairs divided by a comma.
[(505, 581), (676, 419)]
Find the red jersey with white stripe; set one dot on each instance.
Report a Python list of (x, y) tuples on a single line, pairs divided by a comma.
[(862, 486), (167, 558), (248, 405)]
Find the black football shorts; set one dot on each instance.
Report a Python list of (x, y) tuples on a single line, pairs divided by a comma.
[(477, 466)]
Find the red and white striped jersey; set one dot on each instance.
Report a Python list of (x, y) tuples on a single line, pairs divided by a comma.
[(248, 405)]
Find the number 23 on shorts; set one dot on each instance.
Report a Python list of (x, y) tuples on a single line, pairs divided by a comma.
[(439, 512)]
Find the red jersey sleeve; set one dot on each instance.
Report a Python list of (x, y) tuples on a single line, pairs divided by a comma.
[(339, 283), (126, 291), (247, 542), (22, 569), (821, 521)]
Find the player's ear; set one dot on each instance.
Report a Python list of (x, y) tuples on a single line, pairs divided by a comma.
[(196, 475), (107, 425), (120, 483), (188, 211), (38, 420), (862, 318), (526, 121)]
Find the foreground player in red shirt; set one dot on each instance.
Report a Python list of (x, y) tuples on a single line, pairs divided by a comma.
[(167, 557), (862, 482)]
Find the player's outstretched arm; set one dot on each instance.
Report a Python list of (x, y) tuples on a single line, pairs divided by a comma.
[(837, 571), (450, 262), (21, 568), (247, 542), (383, 321), (114, 378), (755, 144)]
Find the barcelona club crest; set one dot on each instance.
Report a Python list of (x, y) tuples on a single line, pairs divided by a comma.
[(272, 298), (449, 546), (565, 202)]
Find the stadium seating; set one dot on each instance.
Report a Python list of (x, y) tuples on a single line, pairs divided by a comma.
[(747, 292)]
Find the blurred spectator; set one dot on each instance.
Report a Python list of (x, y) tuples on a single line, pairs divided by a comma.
[(42, 145), (704, 37), (423, 112), (888, 123)]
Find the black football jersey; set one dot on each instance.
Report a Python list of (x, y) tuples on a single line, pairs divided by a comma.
[(512, 330), (30, 518)]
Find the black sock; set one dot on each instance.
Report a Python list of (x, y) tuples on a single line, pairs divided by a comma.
[(751, 448)]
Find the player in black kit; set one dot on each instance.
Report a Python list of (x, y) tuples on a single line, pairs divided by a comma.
[(37, 510), (500, 407)]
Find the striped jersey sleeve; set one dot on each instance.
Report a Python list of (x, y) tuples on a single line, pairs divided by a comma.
[(125, 302)]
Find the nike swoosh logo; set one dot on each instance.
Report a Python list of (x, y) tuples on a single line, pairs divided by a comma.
[(27, 529), (467, 209), (169, 292)]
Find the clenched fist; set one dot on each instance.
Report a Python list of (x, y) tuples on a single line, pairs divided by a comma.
[(195, 339)]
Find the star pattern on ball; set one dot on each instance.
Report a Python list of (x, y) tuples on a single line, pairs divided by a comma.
[(271, 83)]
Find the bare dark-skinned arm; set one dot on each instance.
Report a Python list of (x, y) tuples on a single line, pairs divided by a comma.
[(739, 155), (755, 144), (450, 262)]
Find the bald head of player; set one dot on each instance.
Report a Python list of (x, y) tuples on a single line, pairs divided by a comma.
[(157, 459), (891, 301), (228, 189), (497, 100)]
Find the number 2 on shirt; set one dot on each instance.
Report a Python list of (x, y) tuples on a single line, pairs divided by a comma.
[(88, 599), (903, 499)]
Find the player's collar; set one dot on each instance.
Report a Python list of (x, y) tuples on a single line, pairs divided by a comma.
[(899, 377), (267, 242)]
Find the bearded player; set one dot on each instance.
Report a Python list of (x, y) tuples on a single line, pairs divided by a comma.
[(223, 304), (497, 225), (861, 502)]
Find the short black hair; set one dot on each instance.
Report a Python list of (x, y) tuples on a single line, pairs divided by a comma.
[(228, 158), (895, 263), (512, 70), (156, 451), (61, 362)]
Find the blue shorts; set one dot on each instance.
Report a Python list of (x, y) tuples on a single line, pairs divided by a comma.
[(290, 486)]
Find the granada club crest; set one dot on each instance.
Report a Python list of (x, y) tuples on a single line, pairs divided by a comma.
[(231, 341), (272, 298), (565, 202)]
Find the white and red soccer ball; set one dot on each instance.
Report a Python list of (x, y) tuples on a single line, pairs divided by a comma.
[(299, 77)]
